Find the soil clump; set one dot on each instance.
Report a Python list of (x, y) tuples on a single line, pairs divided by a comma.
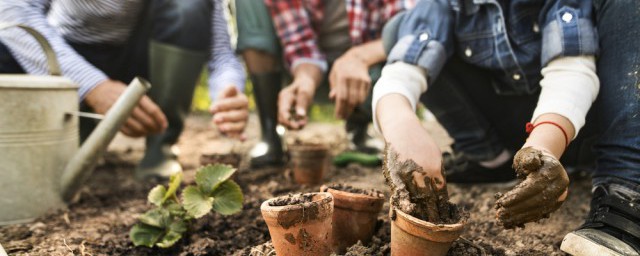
[(417, 194)]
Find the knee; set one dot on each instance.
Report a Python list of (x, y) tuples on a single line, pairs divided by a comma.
[(193, 13)]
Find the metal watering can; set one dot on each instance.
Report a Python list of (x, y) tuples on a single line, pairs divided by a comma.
[(41, 166)]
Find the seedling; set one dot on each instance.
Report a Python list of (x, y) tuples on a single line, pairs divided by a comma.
[(166, 223)]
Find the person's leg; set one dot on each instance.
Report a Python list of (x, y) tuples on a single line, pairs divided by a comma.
[(258, 43), (613, 224), (487, 128), (180, 34)]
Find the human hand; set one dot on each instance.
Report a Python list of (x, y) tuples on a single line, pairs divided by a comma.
[(542, 191), (293, 103), (230, 112), (146, 118), (350, 84), (413, 169)]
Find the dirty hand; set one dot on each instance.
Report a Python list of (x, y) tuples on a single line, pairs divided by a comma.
[(293, 103), (350, 84), (146, 118), (230, 112), (542, 191), (413, 169)]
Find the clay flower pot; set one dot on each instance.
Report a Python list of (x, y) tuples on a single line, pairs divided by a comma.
[(300, 226), (310, 162), (412, 236), (354, 216)]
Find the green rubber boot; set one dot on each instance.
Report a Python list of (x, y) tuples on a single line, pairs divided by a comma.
[(173, 75)]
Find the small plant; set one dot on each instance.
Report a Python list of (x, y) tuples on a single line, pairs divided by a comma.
[(165, 224)]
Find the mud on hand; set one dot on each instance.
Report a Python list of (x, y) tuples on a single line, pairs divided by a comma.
[(413, 192), (542, 191)]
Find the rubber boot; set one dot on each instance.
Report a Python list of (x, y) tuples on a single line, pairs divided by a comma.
[(173, 75), (268, 152)]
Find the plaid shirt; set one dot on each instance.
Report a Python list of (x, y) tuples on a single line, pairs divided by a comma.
[(297, 23)]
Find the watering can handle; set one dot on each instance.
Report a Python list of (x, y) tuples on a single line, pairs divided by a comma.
[(52, 60)]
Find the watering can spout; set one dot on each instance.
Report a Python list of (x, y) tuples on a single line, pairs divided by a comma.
[(81, 165)]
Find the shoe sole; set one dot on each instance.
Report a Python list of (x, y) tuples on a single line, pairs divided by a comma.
[(580, 246)]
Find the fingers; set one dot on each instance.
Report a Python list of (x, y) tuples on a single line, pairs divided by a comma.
[(535, 203), (154, 112), (149, 124), (285, 102), (230, 103), (133, 128), (227, 92), (521, 192), (231, 116), (512, 220)]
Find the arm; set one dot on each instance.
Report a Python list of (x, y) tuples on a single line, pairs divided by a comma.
[(569, 87), (27, 51), (297, 37), (230, 107)]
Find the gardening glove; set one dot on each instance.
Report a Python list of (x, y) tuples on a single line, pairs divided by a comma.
[(542, 191)]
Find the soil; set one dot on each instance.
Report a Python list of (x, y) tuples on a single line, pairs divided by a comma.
[(351, 189), (291, 199), (99, 223), (232, 159)]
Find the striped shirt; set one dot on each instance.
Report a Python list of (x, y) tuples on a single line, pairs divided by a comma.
[(100, 22)]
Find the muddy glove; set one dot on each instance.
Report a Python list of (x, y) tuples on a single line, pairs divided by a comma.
[(413, 191), (542, 191)]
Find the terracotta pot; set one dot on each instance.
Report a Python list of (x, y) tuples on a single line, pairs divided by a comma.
[(300, 229), (354, 217), (232, 159), (412, 236), (310, 162)]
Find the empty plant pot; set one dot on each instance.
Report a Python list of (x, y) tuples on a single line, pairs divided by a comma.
[(413, 236), (355, 214), (310, 162), (300, 224)]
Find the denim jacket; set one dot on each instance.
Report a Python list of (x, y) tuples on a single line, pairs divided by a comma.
[(512, 39)]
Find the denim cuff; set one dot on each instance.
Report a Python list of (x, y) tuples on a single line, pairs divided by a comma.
[(568, 35), (420, 51)]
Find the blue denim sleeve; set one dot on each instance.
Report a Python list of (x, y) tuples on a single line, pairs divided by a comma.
[(568, 29), (425, 36)]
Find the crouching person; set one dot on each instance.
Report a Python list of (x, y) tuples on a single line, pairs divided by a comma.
[(103, 44), (487, 69)]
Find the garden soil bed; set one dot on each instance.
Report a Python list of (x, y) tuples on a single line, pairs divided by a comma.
[(99, 223)]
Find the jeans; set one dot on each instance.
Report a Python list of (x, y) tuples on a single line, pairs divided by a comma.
[(483, 123), (618, 149), (181, 23)]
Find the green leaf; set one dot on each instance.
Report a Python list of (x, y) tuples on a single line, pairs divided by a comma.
[(169, 239), (156, 195), (174, 208), (146, 235), (157, 217), (178, 225), (210, 177), (195, 202), (174, 183), (227, 198)]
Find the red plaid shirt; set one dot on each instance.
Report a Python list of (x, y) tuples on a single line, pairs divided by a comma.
[(297, 22)]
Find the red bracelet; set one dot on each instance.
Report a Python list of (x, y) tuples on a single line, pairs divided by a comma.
[(529, 128)]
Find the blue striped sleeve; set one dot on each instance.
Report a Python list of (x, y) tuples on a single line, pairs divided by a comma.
[(28, 53), (225, 68)]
